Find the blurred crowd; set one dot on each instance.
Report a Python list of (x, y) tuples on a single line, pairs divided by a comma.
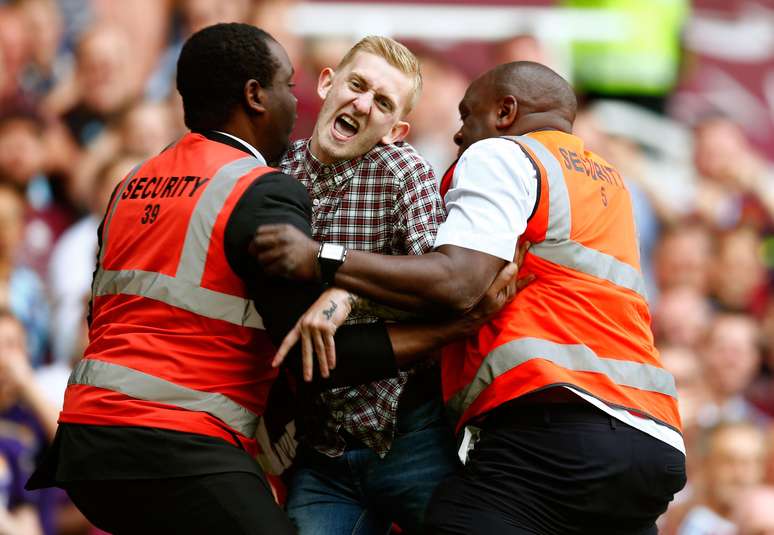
[(87, 91)]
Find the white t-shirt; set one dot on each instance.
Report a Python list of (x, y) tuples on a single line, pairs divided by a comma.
[(493, 193)]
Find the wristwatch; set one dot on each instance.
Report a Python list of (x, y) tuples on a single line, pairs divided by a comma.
[(330, 257)]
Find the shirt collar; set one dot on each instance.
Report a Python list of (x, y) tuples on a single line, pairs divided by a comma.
[(245, 146), (338, 170)]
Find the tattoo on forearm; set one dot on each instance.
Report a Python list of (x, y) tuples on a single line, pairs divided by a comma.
[(328, 312)]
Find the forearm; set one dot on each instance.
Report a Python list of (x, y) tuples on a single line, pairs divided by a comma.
[(448, 280), (412, 343)]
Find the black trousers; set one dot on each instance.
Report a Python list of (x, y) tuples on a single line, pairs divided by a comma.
[(558, 469), (213, 504)]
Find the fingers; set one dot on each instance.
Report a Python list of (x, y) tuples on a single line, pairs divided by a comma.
[(319, 348), (287, 344), (330, 350), (521, 252), (506, 274), (307, 356)]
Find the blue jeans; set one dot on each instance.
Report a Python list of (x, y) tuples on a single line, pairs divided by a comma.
[(362, 494)]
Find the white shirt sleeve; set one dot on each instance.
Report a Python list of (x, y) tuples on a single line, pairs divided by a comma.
[(493, 193)]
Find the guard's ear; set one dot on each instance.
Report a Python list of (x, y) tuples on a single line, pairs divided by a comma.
[(397, 133), (255, 97), (325, 82), (507, 110)]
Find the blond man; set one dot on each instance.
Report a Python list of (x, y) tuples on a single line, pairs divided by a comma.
[(372, 454)]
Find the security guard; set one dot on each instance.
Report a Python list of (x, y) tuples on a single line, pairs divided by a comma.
[(568, 421)]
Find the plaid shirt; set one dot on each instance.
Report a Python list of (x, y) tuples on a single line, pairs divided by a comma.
[(384, 202)]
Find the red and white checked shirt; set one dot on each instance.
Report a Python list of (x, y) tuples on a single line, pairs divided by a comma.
[(384, 202)]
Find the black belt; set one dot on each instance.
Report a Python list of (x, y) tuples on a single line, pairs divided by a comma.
[(516, 413)]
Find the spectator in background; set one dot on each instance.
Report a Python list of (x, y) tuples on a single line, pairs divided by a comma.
[(688, 371), (49, 63), (432, 125), (682, 257), (738, 277), (735, 184), (524, 47), (21, 289), (193, 15), (73, 260), (14, 53), (107, 82), (754, 511), (23, 161), (144, 129), (732, 464), (27, 421), (731, 358), (681, 318)]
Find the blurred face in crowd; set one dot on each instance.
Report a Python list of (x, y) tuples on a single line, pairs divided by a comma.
[(685, 367), (682, 258), (734, 463), (44, 22), (199, 14), (718, 145), (738, 271), (364, 103), (13, 344), (147, 128), (754, 512), (22, 153), (106, 74), (731, 354), (11, 222), (14, 41), (681, 317)]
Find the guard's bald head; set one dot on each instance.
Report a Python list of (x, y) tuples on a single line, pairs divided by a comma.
[(537, 88), (513, 99)]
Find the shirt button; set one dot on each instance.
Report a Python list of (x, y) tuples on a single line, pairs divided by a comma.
[(315, 202), (326, 169)]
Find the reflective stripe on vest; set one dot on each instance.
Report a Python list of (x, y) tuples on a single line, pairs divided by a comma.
[(181, 291), (184, 290), (141, 385), (575, 357), (559, 248)]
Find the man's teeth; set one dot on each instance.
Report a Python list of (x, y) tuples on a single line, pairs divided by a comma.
[(346, 125)]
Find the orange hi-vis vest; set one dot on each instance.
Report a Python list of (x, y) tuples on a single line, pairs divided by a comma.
[(584, 321), (175, 341)]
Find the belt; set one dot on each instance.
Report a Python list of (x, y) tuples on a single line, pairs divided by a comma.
[(518, 412)]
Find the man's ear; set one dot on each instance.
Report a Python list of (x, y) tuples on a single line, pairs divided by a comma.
[(507, 109), (325, 82), (255, 97), (398, 132)]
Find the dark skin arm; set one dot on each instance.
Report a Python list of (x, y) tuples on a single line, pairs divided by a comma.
[(450, 278), (315, 328)]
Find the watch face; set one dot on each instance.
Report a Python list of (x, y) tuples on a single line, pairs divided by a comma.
[(332, 251)]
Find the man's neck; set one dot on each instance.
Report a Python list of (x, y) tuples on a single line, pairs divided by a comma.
[(314, 149)]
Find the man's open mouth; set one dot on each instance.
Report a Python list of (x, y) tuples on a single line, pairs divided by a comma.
[(345, 127)]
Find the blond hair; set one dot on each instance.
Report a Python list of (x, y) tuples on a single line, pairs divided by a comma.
[(394, 53)]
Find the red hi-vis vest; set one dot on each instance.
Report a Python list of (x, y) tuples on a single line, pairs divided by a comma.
[(584, 322), (175, 342)]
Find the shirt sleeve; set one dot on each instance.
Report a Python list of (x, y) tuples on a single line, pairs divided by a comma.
[(279, 198), (418, 209), (493, 193)]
